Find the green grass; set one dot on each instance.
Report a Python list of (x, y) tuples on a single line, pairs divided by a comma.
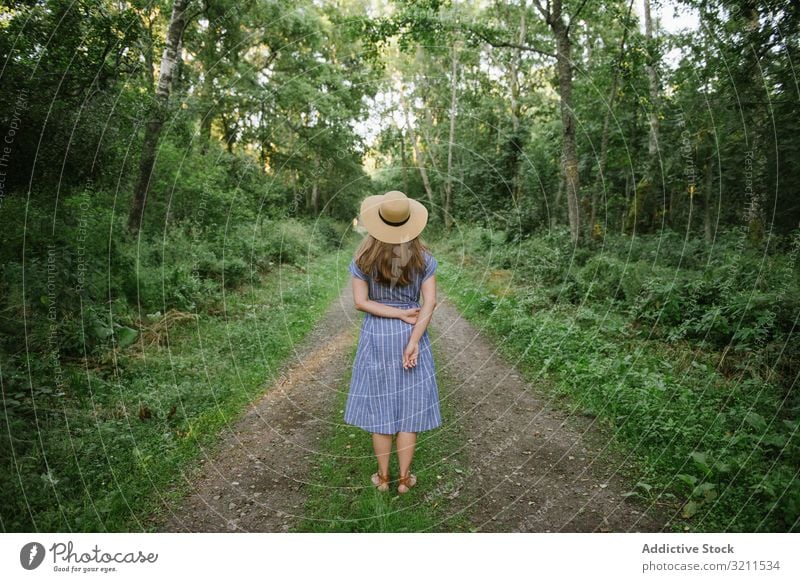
[(343, 499), (92, 464), (718, 449)]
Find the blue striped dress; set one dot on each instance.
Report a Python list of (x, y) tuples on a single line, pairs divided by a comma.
[(385, 398)]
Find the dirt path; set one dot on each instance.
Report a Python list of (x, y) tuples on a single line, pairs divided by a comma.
[(254, 480), (532, 468)]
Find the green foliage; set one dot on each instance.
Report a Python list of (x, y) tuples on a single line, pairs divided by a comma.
[(67, 285), (260, 112), (728, 448), (607, 278), (736, 296), (260, 164), (86, 439)]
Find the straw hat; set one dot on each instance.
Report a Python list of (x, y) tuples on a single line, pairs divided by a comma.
[(393, 217)]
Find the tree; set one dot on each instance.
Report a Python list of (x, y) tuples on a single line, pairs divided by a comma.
[(448, 185), (169, 65), (612, 97), (653, 176), (418, 157), (554, 16)]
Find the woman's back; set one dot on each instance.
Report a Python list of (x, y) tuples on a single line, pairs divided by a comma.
[(397, 295), (393, 389)]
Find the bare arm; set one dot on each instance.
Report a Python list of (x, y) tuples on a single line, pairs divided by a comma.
[(428, 291), (411, 351), (365, 304)]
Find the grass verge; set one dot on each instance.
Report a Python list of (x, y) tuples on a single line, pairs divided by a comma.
[(698, 437), (117, 453)]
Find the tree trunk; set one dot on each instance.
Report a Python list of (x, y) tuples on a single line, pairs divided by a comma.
[(169, 61), (417, 156), (405, 164), (653, 175), (148, 56), (207, 110), (448, 185), (295, 194), (431, 141), (707, 199), (262, 139), (557, 203), (176, 74), (652, 76), (569, 155), (315, 198), (425, 127), (624, 209), (607, 122), (516, 113)]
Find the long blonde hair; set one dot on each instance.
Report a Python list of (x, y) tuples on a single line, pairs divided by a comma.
[(392, 264)]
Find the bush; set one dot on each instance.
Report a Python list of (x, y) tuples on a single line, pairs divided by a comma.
[(288, 241), (601, 278), (329, 232), (539, 262)]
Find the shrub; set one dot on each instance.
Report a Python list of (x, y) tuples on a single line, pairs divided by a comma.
[(601, 278), (288, 241), (329, 232), (540, 262)]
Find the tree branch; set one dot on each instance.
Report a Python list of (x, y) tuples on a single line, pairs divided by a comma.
[(544, 12), (193, 15), (505, 44), (577, 13)]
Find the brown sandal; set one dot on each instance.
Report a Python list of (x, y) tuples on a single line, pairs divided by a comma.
[(381, 482), (409, 481)]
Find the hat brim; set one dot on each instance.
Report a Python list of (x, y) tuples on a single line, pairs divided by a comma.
[(387, 233)]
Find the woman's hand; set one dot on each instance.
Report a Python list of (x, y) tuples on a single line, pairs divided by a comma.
[(410, 315), (410, 355)]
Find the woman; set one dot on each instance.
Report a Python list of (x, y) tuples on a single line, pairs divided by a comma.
[(393, 390)]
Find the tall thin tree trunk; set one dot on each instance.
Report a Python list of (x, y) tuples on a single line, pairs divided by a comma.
[(176, 75), (148, 56), (652, 75), (405, 164), (707, 199), (569, 156), (607, 121), (557, 203), (418, 161), (624, 210), (208, 110), (426, 137), (427, 126), (169, 62), (516, 113), (448, 185), (315, 197), (262, 139)]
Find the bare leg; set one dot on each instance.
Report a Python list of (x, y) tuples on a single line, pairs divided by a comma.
[(382, 444), (406, 441)]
